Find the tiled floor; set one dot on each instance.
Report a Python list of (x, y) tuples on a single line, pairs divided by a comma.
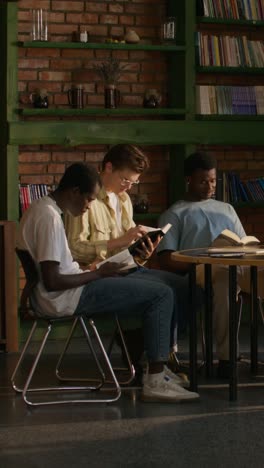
[(209, 433)]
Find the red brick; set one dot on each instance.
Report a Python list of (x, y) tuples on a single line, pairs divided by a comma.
[(61, 64), (82, 18), (95, 7), (29, 64), (27, 75), (67, 5), (27, 4), (94, 157), (67, 156), (31, 157), (110, 19), (37, 179), (116, 8), (43, 53), (55, 76)]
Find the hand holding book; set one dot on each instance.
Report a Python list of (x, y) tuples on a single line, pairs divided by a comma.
[(153, 234), (125, 258)]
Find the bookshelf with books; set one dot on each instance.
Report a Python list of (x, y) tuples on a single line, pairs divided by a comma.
[(30, 192), (230, 57)]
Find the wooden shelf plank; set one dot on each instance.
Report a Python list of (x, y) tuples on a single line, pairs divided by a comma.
[(231, 70), (228, 117), (102, 45), (71, 133), (64, 112), (231, 21)]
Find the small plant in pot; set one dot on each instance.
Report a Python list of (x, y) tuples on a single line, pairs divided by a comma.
[(39, 98), (140, 203), (110, 71)]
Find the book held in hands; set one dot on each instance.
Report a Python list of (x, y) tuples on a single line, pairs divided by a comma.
[(152, 233), (126, 257)]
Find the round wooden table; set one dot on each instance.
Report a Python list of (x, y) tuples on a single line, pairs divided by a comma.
[(202, 257)]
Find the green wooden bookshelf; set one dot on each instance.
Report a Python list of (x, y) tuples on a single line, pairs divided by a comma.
[(92, 111), (231, 70), (103, 45), (230, 21)]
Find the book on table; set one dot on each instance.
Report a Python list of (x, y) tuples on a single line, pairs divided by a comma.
[(229, 242), (126, 257)]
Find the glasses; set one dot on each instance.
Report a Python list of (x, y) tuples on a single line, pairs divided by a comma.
[(125, 182)]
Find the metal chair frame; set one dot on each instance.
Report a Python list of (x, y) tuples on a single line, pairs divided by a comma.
[(27, 311)]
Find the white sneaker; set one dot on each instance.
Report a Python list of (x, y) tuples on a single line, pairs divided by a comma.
[(180, 379), (160, 388)]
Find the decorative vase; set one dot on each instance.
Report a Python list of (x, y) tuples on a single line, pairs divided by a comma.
[(112, 97)]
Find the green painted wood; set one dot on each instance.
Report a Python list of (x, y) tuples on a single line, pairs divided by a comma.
[(231, 118), (205, 19), (106, 46), (231, 70), (8, 86), (147, 132), (190, 72), (100, 111)]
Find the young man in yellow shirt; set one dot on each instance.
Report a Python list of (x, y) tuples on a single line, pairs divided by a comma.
[(108, 227)]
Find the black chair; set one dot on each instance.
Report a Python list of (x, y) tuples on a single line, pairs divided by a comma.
[(28, 312)]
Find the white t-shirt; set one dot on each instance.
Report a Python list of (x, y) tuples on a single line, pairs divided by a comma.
[(115, 204), (42, 233)]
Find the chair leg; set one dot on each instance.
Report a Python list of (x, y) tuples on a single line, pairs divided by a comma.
[(27, 390), (21, 358), (62, 356), (261, 309), (130, 367)]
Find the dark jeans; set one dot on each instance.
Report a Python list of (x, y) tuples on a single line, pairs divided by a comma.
[(131, 296)]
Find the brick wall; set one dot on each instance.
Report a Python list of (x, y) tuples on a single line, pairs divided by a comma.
[(57, 69)]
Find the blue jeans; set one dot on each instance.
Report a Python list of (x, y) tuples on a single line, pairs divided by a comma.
[(128, 297), (180, 287)]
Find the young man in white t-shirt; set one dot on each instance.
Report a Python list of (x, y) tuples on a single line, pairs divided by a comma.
[(65, 289)]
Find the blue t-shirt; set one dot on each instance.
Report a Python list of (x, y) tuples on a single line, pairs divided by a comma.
[(197, 224)]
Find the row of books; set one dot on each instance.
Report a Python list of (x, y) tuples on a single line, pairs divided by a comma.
[(30, 192), (230, 100), (232, 9), (229, 51), (231, 189)]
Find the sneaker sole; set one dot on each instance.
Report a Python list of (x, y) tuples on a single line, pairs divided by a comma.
[(160, 399)]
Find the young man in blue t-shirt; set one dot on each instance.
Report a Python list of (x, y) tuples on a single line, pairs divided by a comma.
[(196, 221)]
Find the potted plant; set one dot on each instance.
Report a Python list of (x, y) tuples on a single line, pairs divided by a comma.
[(110, 71)]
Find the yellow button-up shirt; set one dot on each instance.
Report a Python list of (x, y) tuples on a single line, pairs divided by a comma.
[(88, 234)]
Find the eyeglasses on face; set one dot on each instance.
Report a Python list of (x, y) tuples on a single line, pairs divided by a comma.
[(125, 181)]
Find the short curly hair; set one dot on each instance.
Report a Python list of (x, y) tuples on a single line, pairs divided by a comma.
[(199, 160)]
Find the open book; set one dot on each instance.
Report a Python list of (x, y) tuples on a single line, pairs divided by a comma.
[(228, 241), (125, 257), (152, 233)]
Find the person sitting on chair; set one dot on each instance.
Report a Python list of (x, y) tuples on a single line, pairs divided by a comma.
[(65, 289), (108, 227), (196, 221)]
